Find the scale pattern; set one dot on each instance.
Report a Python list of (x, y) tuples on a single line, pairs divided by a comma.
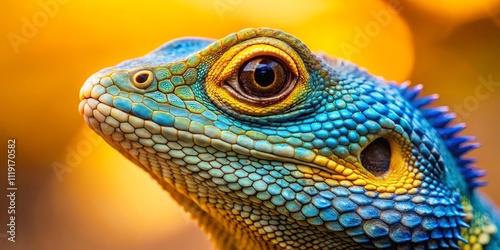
[(289, 174)]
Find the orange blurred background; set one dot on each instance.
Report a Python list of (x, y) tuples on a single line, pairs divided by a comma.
[(76, 192)]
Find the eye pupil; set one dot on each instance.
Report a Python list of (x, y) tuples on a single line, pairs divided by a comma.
[(264, 73), (263, 77), (142, 78), (376, 157)]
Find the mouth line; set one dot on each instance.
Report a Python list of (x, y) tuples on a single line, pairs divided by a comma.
[(81, 106), (97, 113), (102, 117)]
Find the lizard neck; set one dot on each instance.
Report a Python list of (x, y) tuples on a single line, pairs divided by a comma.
[(222, 234), (484, 222)]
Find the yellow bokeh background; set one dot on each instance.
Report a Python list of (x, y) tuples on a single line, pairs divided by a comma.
[(101, 200)]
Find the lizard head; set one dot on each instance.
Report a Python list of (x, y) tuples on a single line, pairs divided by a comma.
[(273, 142)]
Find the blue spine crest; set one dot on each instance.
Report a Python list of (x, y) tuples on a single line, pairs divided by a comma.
[(441, 118)]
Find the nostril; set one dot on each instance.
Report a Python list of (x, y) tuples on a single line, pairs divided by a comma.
[(143, 79), (376, 157)]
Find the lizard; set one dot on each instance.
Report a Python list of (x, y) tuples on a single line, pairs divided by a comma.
[(268, 145)]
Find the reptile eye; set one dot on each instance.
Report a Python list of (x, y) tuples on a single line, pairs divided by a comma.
[(376, 157), (262, 77), (263, 80), (143, 79)]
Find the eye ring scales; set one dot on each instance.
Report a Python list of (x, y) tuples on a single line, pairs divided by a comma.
[(258, 77)]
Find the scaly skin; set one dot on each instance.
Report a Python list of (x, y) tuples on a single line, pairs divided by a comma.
[(270, 146)]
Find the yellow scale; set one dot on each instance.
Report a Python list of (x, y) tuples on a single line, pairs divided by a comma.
[(480, 231)]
